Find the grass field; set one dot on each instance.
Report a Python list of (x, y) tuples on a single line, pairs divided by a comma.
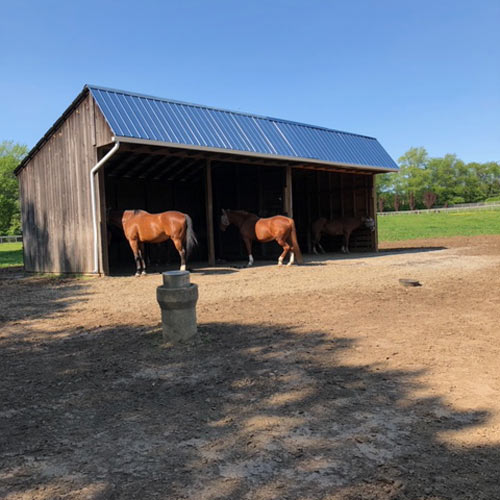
[(11, 254), (437, 225)]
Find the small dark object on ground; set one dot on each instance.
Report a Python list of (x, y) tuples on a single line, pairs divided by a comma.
[(408, 282)]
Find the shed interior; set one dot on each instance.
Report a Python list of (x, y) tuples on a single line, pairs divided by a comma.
[(157, 179)]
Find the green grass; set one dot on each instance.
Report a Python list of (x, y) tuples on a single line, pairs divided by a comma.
[(11, 254), (437, 225)]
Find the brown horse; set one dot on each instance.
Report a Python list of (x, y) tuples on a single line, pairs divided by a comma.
[(142, 227), (343, 226), (278, 228)]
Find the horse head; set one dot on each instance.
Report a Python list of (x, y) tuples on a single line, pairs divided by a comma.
[(114, 217), (224, 220), (369, 223)]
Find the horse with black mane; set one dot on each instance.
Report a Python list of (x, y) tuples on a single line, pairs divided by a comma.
[(342, 226), (278, 228), (142, 227)]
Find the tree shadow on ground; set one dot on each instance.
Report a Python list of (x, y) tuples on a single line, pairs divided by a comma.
[(245, 412), (39, 296)]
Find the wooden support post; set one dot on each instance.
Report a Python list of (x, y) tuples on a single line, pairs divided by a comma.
[(318, 197), (373, 208), (309, 197), (288, 201), (209, 207), (353, 184), (342, 211), (330, 196)]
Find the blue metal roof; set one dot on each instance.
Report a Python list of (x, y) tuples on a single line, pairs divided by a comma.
[(153, 119)]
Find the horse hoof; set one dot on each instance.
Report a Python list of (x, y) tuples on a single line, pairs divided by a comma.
[(143, 273), (137, 274)]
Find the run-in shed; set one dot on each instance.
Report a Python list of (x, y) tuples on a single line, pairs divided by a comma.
[(116, 149)]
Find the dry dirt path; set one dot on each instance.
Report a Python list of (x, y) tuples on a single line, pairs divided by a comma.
[(325, 381)]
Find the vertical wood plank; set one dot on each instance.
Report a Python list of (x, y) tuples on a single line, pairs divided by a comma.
[(288, 198), (373, 214), (330, 196), (210, 213), (309, 196), (353, 184), (318, 191), (342, 194)]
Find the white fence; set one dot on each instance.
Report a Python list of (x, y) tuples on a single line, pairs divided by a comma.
[(464, 207), (10, 239)]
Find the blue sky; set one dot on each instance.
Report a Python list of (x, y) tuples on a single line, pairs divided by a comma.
[(423, 73)]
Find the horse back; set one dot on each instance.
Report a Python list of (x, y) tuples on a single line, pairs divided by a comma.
[(153, 228), (269, 228), (352, 223)]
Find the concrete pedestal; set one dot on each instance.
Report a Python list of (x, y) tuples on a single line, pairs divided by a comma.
[(177, 299)]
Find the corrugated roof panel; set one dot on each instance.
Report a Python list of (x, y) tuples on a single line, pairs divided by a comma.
[(281, 146), (254, 134), (153, 119)]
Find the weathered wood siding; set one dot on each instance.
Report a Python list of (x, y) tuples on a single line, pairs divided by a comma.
[(103, 134), (55, 196)]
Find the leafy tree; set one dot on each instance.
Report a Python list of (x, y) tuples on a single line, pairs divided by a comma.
[(449, 178), (10, 156), (397, 202), (429, 199), (413, 172), (411, 200), (381, 201), (488, 175), (411, 177)]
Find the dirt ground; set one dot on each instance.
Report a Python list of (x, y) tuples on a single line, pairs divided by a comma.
[(324, 381)]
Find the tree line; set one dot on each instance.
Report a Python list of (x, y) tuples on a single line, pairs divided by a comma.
[(424, 182), (10, 217)]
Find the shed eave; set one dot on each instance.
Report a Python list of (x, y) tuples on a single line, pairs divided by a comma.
[(150, 142)]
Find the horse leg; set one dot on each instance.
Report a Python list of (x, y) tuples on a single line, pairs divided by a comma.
[(248, 244), (316, 238), (345, 246), (182, 252), (134, 245), (141, 255), (292, 254), (286, 249)]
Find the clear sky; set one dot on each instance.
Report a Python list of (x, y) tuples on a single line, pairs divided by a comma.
[(410, 73)]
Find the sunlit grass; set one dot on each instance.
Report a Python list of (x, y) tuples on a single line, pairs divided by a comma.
[(436, 225), (11, 254)]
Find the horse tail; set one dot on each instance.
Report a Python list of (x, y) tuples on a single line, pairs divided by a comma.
[(191, 240), (295, 244)]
